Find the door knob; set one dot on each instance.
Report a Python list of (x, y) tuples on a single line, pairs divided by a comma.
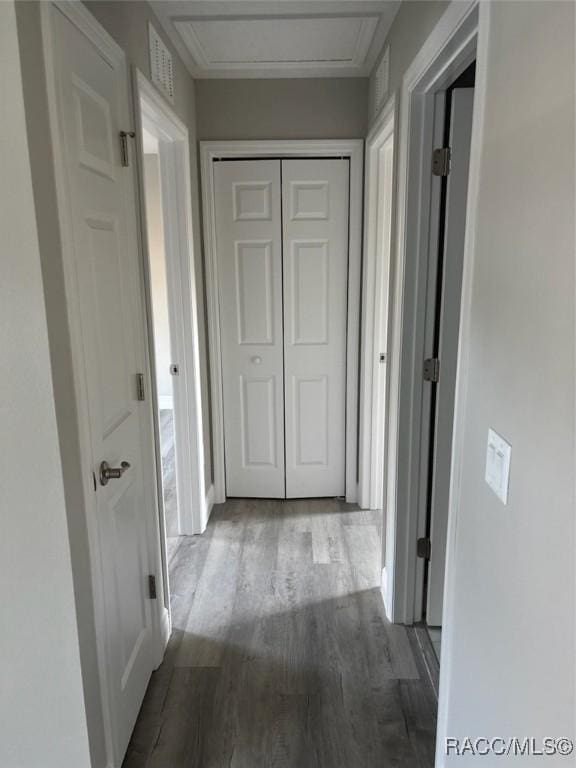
[(112, 473), (256, 359)]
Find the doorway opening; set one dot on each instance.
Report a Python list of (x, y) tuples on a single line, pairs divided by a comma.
[(376, 267), (172, 315), (449, 51), (164, 368), (453, 121)]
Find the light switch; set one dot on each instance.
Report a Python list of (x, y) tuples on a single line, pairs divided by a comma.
[(498, 465)]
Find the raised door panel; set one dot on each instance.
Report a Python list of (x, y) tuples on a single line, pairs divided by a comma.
[(315, 246), (248, 239)]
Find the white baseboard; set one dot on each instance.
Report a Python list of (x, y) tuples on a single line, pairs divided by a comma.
[(209, 503), (166, 402), (384, 591)]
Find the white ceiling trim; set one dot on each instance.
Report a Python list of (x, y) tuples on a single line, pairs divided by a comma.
[(182, 19), (191, 31)]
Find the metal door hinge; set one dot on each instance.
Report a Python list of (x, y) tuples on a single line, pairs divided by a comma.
[(140, 393), (382, 357), (431, 369), (152, 586), (424, 548), (441, 161), (175, 369), (124, 154)]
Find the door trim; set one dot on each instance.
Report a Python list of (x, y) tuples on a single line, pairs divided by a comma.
[(372, 426), (450, 48), (83, 20), (351, 149), (182, 298)]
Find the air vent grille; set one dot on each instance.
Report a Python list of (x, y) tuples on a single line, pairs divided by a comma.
[(381, 81), (161, 68)]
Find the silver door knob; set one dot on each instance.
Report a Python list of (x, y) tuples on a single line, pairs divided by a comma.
[(112, 473), (256, 359)]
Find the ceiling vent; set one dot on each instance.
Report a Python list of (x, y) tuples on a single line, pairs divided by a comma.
[(382, 81), (161, 69)]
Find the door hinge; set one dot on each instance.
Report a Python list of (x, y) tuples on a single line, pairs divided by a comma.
[(441, 161), (424, 548), (432, 369), (382, 357), (152, 586), (140, 393), (124, 154)]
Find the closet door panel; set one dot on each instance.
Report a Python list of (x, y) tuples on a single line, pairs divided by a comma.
[(315, 268), (249, 243)]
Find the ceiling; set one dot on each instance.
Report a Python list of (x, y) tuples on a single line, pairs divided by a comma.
[(277, 38)]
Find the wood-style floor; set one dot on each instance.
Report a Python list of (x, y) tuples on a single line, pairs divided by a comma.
[(281, 656), (168, 454)]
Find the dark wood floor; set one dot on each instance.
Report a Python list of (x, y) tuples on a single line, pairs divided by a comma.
[(281, 656)]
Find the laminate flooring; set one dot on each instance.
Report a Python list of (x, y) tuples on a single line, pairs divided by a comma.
[(168, 456), (281, 655)]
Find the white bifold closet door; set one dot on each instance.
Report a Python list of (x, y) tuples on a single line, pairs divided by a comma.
[(282, 240), (315, 250), (249, 242)]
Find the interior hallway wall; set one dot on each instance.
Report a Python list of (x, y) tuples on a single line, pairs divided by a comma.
[(510, 642), (305, 108), (42, 707), (127, 23)]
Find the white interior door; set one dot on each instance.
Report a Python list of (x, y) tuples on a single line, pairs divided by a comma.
[(454, 233), (315, 253), (248, 234), (92, 110)]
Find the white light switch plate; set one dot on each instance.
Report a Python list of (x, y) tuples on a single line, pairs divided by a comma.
[(498, 465)]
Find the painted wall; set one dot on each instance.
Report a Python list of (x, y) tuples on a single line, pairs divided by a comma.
[(42, 709), (412, 25), (511, 637), (127, 23), (329, 108), (162, 348)]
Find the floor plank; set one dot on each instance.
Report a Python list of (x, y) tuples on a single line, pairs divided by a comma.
[(281, 654)]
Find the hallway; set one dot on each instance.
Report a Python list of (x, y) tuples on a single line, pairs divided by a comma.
[(280, 653)]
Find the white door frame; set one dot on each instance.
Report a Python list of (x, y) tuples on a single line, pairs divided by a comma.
[(351, 149), (378, 214), (174, 158), (83, 20), (450, 48)]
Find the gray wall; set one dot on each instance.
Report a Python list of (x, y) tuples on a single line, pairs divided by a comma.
[(512, 639), (127, 23), (282, 109), (412, 25), (42, 709)]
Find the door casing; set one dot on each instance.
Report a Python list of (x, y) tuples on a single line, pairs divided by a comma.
[(151, 107), (214, 150), (376, 291), (451, 47)]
